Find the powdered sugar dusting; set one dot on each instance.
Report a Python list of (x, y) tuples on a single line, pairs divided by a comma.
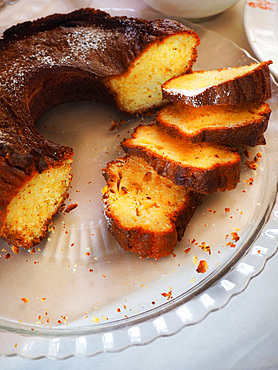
[(193, 96), (186, 92), (65, 46), (83, 40)]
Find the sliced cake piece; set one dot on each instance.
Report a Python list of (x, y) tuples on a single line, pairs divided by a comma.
[(201, 167), (32, 209), (227, 125), (146, 213), (238, 85)]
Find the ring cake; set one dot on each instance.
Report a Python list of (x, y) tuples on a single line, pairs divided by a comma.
[(65, 57)]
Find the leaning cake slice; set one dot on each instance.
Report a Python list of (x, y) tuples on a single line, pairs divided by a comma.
[(228, 86), (201, 167), (146, 213)]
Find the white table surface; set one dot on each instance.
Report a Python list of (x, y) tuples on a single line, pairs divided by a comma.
[(242, 335)]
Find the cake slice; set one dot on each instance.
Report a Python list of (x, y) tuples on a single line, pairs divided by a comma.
[(227, 125), (229, 86), (201, 167), (146, 213), (32, 208)]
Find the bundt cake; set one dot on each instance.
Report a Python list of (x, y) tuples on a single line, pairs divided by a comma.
[(146, 213), (64, 57), (200, 167), (233, 125), (229, 86)]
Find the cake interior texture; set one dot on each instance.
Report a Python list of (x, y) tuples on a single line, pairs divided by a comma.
[(141, 198), (140, 87), (31, 210)]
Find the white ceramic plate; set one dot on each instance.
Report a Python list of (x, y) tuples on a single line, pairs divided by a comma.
[(261, 27), (85, 294)]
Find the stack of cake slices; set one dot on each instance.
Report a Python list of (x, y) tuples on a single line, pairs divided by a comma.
[(191, 150)]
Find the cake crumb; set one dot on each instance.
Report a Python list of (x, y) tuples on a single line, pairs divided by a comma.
[(231, 244), (195, 260), (247, 152), (15, 249), (251, 164), (235, 236), (71, 207), (210, 210), (205, 247), (167, 295), (115, 124), (202, 267), (249, 181)]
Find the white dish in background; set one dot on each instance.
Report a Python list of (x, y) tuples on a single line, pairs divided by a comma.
[(88, 296), (193, 10), (261, 28)]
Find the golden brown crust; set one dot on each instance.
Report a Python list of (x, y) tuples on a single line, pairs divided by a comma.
[(144, 244), (218, 176), (176, 117), (251, 87), (140, 239)]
